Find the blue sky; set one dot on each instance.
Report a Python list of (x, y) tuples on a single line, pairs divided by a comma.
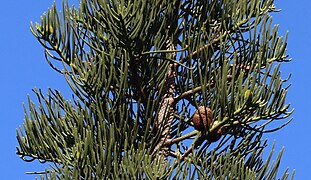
[(24, 67)]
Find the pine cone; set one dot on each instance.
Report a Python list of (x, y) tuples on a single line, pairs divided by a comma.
[(202, 118)]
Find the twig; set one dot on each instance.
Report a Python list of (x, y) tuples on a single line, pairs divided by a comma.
[(178, 139), (39, 172), (187, 93), (203, 48), (193, 145)]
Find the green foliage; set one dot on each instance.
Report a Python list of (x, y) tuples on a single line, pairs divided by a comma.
[(117, 57)]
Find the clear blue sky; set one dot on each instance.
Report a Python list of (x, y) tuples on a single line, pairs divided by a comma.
[(24, 67)]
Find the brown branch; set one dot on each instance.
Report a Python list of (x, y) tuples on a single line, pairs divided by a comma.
[(173, 154), (212, 84), (193, 54), (196, 143), (211, 44), (39, 172), (187, 94), (178, 139)]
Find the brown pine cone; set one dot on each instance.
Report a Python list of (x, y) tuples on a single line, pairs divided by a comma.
[(202, 118)]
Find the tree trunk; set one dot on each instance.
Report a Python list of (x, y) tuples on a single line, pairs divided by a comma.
[(166, 113)]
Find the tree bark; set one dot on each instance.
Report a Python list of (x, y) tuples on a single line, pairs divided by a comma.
[(167, 109)]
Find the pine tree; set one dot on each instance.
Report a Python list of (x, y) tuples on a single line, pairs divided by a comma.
[(162, 89)]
